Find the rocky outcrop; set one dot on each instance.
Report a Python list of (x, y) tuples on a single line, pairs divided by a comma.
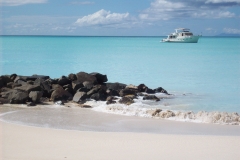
[(126, 100), (77, 87), (79, 96), (35, 96), (18, 97), (82, 77), (151, 97)]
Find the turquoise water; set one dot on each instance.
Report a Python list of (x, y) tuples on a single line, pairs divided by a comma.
[(203, 76)]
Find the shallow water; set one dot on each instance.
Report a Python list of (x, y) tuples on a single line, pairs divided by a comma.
[(74, 118), (202, 76)]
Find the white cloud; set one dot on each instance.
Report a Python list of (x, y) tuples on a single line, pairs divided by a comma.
[(231, 30), (103, 18), (20, 2), (162, 10), (168, 9), (214, 14), (222, 1)]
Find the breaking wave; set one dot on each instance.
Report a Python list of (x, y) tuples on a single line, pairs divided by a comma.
[(149, 109)]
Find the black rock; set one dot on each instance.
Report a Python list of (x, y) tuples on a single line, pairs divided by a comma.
[(100, 77), (88, 85), (76, 85), (127, 91), (79, 96), (35, 96), (126, 100), (63, 81), (151, 97), (161, 90), (82, 77), (28, 88), (115, 86), (100, 96), (149, 91), (111, 92), (18, 97), (60, 94), (142, 87), (72, 77)]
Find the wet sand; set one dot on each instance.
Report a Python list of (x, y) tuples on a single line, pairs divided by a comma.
[(106, 136)]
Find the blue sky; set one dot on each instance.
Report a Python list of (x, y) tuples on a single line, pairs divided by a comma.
[(118, 17)]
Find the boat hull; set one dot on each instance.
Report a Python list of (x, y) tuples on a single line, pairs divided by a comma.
[(189, 39)]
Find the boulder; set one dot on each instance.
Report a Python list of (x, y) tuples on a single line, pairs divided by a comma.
[(63, 81), (67, 86), (149, 91), (126, 100), (16, 85), (5, 92), (9, 85), (131, 87), (142, 87), (100, 77), (4, 100), (82, 77), (20, 82), (32, 78), (83, 89), (30, 82), (115, 86), (4, 80), (72, 77), (150, 97), (76, 85), (127, 91), (18, 97), (96, 89), (100, 96), (28, 88), (70, 90), (45, 85), (60, 94), (35, 96), (79, 96), (56, 86), (1, 83), (88, 85), (13, 76), (161, 90), (132, 96), (111, 92)]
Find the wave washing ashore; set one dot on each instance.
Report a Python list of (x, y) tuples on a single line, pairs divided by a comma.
[(91, 90)]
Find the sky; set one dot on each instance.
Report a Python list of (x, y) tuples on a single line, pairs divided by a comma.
[(118, 17)]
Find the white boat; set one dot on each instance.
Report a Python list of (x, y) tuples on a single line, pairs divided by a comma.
[(182, 35)]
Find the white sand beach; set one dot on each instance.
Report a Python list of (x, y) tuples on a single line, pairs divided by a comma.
[(21, 142)]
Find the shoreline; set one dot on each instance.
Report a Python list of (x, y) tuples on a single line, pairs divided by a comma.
[(85, 119), (24, 142)]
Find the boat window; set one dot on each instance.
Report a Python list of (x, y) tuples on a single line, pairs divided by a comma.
[(188, 34)]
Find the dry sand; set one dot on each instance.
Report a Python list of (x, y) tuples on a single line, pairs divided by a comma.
[(31, 143), (19, 142)]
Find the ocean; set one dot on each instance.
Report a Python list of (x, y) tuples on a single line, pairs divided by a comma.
[(203, 76)]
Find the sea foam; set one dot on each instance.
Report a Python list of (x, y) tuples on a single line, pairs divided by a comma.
[(143, 108)]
